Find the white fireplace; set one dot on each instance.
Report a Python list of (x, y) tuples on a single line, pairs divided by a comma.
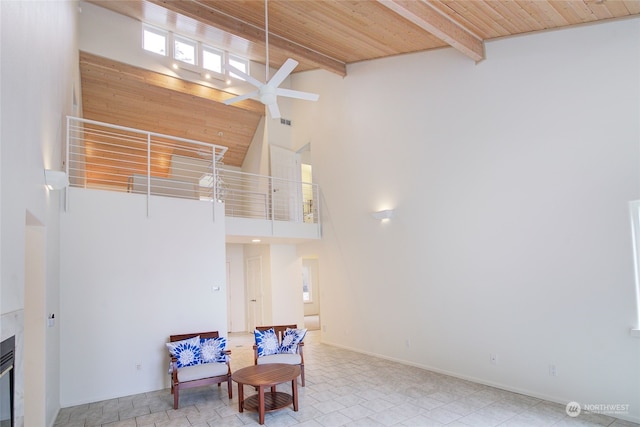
[(12, 339)]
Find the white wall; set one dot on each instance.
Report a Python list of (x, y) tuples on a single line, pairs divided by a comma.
[(128, 282), (38, 71), (511, 179)]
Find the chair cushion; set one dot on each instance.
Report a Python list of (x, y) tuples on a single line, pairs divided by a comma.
[(203, 370), (186, 351), (212, 349), (267, 342), (290, 340), (289, 359)]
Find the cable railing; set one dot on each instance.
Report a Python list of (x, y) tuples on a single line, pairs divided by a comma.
[(248, 195), (116, 158)]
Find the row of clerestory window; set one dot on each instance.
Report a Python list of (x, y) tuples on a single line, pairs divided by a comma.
[(197, 56)]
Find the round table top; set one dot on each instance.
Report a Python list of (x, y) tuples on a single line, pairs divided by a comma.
[(266, 375)]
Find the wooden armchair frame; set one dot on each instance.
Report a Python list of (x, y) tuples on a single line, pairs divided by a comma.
[(176, 385), (279, 330)]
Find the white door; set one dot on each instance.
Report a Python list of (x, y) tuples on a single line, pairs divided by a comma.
[(229, 306), (254, 293), (287, 192)]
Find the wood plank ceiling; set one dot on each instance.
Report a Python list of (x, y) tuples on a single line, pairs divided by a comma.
[(327, 34)]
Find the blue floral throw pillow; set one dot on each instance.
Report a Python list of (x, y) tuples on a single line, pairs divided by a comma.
[(267, 342), (291, 339), (187, 351), (213, 349)]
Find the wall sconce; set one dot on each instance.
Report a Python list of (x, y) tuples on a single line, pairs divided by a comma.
[(383, 215), (55, 180)]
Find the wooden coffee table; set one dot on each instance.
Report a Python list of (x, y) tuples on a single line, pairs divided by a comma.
[(267, 376)]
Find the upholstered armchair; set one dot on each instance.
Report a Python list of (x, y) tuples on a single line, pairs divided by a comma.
[(280, 344), (198, 359)]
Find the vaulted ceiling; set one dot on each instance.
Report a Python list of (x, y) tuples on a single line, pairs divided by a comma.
[(325, 34)]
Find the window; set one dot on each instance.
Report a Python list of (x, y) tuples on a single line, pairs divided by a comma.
[(634, 208), (185, 50), (207, 60), (240, 64), (212, 59), (154, 40)]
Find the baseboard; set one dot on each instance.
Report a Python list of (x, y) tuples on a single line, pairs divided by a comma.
[(506, 387)]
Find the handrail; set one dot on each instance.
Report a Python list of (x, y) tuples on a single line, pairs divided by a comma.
[(222, 148)]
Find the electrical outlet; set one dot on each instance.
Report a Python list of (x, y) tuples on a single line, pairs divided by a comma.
[(493, 358), (407, 343), (552, 371), (138, 366)]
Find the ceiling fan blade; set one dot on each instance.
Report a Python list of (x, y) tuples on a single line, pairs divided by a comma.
[(283, 72), (297, 94), (241, 97), (247, 77), (274, 110)]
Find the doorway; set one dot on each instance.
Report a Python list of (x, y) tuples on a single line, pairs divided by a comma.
[(287, 195), (311, 293)]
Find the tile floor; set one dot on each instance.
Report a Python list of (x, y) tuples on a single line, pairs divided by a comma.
[(343, 388)]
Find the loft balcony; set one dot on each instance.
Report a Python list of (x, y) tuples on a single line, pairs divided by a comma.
[(106, 157)]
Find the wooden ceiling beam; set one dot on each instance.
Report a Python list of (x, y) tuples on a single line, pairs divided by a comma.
[(210, 16), (430, 19)]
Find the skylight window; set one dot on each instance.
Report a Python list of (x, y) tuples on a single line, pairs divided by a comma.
[(154, 40)]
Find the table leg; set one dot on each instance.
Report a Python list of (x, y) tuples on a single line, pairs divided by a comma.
[(294, 393), (240, 397), (261, 404)]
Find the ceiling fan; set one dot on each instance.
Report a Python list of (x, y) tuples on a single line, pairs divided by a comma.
[(268, 92)]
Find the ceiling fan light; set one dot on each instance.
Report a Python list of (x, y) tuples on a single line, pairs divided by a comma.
[(267, 94)]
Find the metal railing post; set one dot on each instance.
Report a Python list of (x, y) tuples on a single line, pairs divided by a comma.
[(148, 173), (272, 191), (214, 183), (66, 165)]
